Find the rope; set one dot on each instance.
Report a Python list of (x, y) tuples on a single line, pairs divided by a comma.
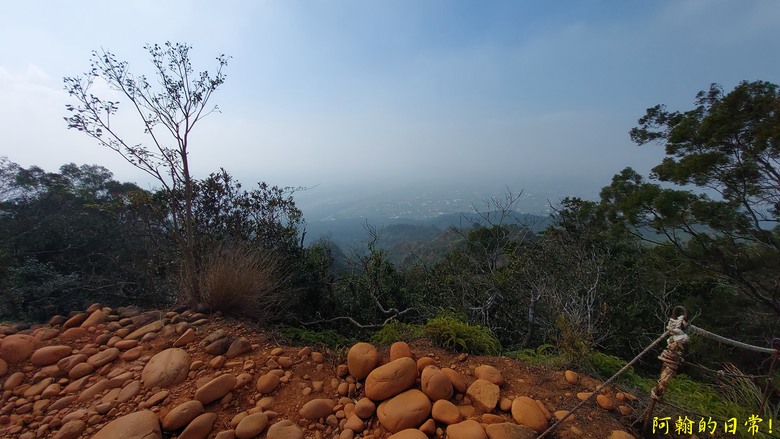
[(721, 339), (671, 358), (606, 383), (722, 373)]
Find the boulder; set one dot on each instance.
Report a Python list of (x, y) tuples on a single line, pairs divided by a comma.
[(240, 346), (138, 425), (219, 346), (182, 415), (94, 319), (409, 433), (216, 388), (166, 368), (446, 412), (484, 394), (71, 430), (490, 373), (365, 408), (103, 357), (406, 410), (267, 383), (435, 384), (362, 358), (400, 349), (200, 427), (284, 429), (391, 379), (317, 408), (525, 411), (251, 426), (50, 355), (155, 326), (17, 348), (457, 380), (468, 429)]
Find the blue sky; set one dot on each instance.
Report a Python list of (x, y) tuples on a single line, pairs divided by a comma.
[(372, 94)]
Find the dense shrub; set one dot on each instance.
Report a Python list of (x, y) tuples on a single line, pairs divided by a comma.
[(454, 333)]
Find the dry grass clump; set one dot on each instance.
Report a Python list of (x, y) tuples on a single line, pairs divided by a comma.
[(239, 280)]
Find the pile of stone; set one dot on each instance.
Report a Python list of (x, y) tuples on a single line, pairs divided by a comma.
[(125, 373)]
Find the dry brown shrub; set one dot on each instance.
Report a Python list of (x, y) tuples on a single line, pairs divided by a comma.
[(242, 281)]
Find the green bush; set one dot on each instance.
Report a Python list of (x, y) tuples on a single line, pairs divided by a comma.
[(35, 291), (545, 355), (397, 331), (329, 338), (453, 333)]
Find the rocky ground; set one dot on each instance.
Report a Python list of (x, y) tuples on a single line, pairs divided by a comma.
[(130, 374)]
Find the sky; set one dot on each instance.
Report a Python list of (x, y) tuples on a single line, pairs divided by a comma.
[(360, 96)]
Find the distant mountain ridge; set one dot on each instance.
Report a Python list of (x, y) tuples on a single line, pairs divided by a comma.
[(399, 236)]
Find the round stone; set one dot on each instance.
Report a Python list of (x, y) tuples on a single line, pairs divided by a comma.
[(284, 429), (138, 425), (200, 427), (71, 430), (167, 368), (525, 411), (391, 379), (17, 348), (446, 412), (409, 433), (362, 358), (406, 410), (468, 429), (489, 373), (182, 415), (251, 426), (400, 349), (50, 355), (317, 408), (216, 388), (484, 394), (267, 383), (457, 380), (435, 384)]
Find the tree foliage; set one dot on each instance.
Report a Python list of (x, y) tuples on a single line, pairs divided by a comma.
[(72, 235), (729, 146), (169, 109)]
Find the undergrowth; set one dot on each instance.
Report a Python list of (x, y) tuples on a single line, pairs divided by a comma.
[(328, 338), (447, 331), (397, 331)]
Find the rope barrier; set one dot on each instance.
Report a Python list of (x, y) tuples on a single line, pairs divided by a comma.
[(671, 358), (721, 339), (722, 373), (606, 383)]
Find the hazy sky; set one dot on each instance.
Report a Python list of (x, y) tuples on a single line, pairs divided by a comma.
[(382, 92)]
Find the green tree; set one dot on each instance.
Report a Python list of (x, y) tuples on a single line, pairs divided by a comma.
[(169, 109), (266, 216), (729, 147), (74, 237)]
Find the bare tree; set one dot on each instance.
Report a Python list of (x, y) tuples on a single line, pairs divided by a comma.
[(169, 109)]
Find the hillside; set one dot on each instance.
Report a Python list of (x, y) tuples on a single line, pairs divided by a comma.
[(125, 373)]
